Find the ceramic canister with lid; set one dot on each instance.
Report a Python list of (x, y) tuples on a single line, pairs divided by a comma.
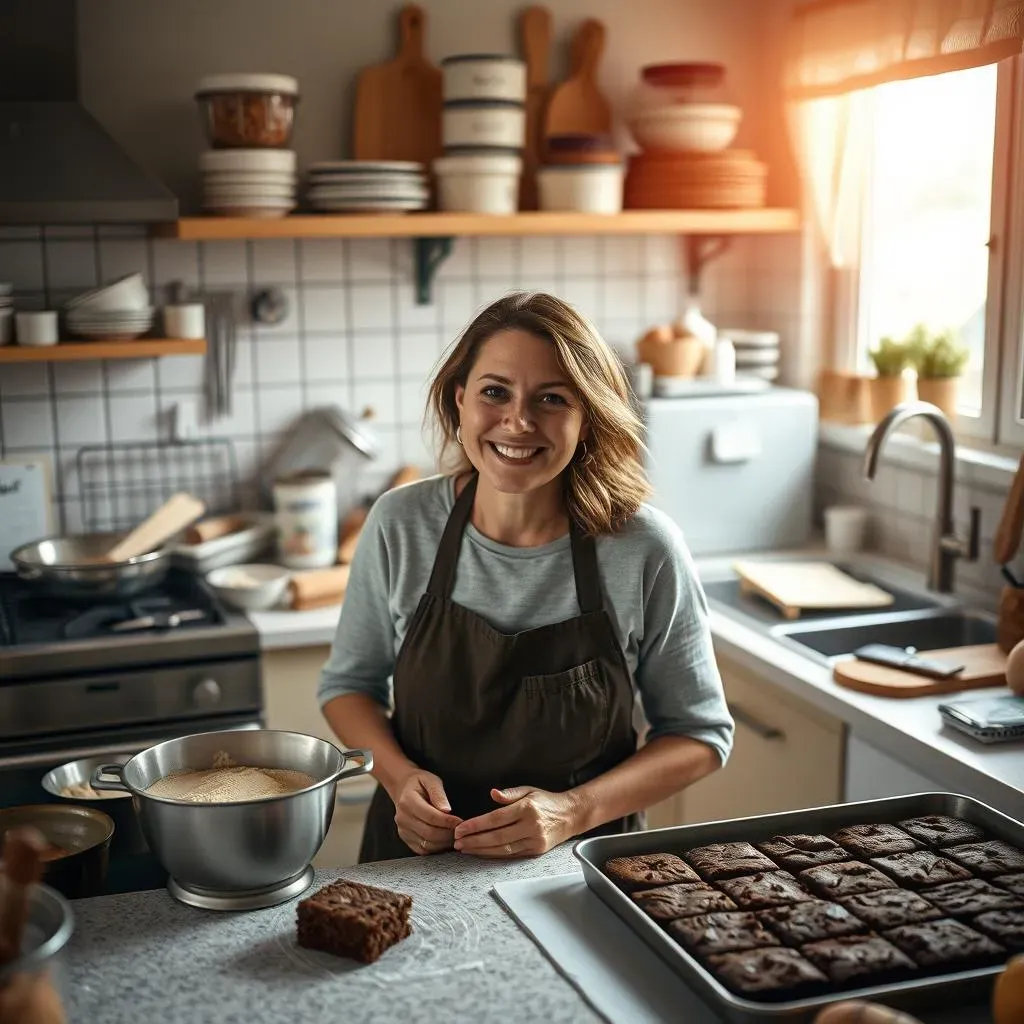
[(306, 506)]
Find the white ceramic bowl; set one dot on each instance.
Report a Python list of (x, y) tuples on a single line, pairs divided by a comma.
[(251, 587), (588, 188), (126, 293), (687, 126), (479, 183)]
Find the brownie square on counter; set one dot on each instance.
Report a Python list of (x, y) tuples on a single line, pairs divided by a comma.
[(721, 933), (1005, 926), (862, 958), (647, 870), (942, 830), (683, 899), (353, 920), (945, 943), (972, 896), (796, 852), (874, 840), (887, 908), (1012, 883), (812, 921), (844, 879), (988, 859), (763, 890), (921, 868), (773, 972), (728, 860)]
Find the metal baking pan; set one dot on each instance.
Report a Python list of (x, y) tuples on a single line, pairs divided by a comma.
[(956, 987)]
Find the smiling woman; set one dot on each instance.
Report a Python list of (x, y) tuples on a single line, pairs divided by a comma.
[(509, 613)]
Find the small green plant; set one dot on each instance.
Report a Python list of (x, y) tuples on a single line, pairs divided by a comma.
[(940, 356), (891, 357)]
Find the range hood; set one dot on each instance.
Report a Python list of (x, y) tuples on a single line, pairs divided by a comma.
[(58, 165)]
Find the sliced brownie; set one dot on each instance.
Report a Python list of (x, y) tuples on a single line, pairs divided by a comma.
[(988, 859), (972, 896), (768, 889), (1005, 926), (921, 868), (683, 899), (812, 921), (1012, 883), (794, 853), (728, 860), (864, 959), (942, 830), (844, 879), (888, 908), (769, 973), (874, 840), (945, 943), (721, 933), (648, 870), (353, 920)]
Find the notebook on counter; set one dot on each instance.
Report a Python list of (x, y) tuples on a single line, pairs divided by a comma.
[(987, 719)]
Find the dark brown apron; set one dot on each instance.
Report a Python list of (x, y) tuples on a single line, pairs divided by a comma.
[(550, 707)]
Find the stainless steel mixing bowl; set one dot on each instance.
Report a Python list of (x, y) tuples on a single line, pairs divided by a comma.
[(48, 928), (238, 846)]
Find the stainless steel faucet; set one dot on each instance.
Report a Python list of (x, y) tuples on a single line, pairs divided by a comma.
[(947, 547)]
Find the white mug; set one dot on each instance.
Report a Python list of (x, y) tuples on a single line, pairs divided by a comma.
[(188, 321), (845, 528), (37, 328)]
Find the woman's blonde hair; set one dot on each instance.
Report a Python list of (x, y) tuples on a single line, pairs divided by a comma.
[(605, 487)]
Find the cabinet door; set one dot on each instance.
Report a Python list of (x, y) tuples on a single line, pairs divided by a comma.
[(786, 755)]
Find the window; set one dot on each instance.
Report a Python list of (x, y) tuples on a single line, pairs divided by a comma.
[(938, 190)]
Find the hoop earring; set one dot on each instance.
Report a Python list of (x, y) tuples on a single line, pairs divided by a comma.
[(458, 433), (586, 458)]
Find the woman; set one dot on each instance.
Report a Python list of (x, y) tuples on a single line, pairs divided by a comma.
[(519, 604)]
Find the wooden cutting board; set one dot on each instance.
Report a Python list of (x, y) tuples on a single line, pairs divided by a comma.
[(794, 587), (398, 103), (535, 37), (984, 665), (577, 106)]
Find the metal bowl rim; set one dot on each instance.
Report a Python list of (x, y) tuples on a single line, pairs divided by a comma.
[(75, 809), (17, 556), (50, 947), (47, 780)]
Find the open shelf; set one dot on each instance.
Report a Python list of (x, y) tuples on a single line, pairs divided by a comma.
[(449, 225), (74, 351)]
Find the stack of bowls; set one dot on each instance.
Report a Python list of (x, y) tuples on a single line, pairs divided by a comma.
[(757, 352), (580, 172), (367, 186), (249, 171), (119, 311), (484, 130), (6, 313)]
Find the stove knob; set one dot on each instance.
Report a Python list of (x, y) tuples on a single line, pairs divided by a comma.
[(207, 693)]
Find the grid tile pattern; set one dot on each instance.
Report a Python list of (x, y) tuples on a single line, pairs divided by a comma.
[(353, 334)]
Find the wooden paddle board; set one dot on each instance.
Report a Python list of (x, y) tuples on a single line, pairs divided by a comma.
[(577, 106), (984, 665), (535, 38), (794, 587), (398, 103)]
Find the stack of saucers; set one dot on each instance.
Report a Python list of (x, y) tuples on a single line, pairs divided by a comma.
[(248, 182), (757, 352), (367, 186), (6, 313), (118, 311)]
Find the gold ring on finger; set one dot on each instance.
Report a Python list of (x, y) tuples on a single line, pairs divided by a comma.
[(423, 843), (508, 849)]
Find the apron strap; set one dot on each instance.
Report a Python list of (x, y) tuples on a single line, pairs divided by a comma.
[(442, 576), (584, 564)]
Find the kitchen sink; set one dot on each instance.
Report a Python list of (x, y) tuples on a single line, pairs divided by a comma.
[(927, 631)]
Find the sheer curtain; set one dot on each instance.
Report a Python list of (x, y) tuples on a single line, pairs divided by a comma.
[(837, 50)]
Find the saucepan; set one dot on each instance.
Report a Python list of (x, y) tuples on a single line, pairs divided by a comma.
[(74, 567), (239, 845)]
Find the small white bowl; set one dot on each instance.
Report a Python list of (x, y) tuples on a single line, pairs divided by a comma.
[(707, 127), (251, 587), (125, 294)]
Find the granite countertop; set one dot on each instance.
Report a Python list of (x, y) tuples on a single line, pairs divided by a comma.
[(145, 957)]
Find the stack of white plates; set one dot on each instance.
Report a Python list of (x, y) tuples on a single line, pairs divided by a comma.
[(248, 182), (757, 352), (110, 325), (364, 186), (6, 313)]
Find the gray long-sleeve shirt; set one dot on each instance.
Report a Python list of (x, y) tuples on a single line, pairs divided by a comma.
[(649, 582)]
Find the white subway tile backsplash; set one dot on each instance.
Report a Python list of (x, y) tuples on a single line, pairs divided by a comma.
[(175, 261), (27, 423), (76, 378), (412, 399), (273, 261), (457, 304), (279, 360), (662, 299), (581, 257), (497, 259), (325, 308), (539, 260), (381, 397), (369, 259), (321, 393), (131, 375), (412, 316), (322, 260), (182, 373), (224, 264), (418, 352), (623, 298), (21, 264), (119, 257), (417, 448), (327, 357), (459, 263), (23, 379), (584, 294), (133, 418), (373, 355), (81, 421), (910, 492), (372, 307), (240, 422), (277, 408)]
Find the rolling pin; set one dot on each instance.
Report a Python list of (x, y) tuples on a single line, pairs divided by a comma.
[(318, 588), (211, 529), (171, 517)]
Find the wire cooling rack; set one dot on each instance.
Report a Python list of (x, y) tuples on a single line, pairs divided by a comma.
[(121, 484)]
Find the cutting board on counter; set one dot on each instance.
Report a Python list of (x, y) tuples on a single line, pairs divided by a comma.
[(984, 665), (795, 587)]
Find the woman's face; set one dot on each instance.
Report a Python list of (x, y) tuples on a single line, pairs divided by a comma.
[(521, 419)]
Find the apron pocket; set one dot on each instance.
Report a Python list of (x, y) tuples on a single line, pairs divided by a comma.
[(568, 717)]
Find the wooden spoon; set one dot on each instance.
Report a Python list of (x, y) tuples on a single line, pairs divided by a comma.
[(535, 35), (175, 514), (578, 107), (22, 867)]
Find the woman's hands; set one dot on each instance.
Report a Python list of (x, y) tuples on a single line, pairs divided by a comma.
[(30, 999), (530, 822), (423, 814)]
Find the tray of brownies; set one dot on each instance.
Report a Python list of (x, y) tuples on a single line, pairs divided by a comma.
[(913, 901)]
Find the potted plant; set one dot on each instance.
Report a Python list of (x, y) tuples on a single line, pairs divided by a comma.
[(890, 387), (939, 360)]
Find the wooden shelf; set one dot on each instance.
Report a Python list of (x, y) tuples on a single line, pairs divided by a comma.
[(74, 351), (447, 225)]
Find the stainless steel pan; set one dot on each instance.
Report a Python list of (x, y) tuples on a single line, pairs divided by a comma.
[(73, 567)]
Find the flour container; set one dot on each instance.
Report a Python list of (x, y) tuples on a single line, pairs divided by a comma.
[(306, 505)]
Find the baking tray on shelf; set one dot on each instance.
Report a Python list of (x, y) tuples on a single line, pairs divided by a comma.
[(945, 990)]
